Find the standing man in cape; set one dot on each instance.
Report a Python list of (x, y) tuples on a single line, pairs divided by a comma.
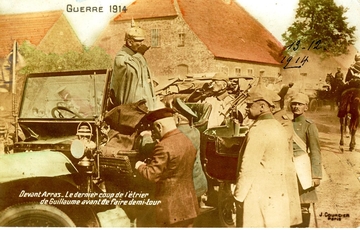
[(131, 80)]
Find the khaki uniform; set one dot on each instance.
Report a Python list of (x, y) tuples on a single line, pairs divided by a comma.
[(308, 132), (261, 184)]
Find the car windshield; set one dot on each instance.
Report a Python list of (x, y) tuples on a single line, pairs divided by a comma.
[(70, 97)]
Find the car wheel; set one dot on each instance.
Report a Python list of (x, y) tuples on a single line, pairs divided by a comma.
[(34, 215), (313, 105), (226, 206)]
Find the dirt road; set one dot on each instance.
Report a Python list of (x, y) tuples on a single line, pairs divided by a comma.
[(339, 191)]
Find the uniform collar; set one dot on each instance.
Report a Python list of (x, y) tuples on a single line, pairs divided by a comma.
[(265, 116), (128, 50), (299, 118)]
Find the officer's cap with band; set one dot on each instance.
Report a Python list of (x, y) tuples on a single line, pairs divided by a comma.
[(180, 106), (300, 98), (159, 112)]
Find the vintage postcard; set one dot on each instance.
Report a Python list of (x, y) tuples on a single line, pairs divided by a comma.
[(179, 113)]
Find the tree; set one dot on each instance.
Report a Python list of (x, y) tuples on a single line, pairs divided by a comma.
[(320, 26), (38, 61)]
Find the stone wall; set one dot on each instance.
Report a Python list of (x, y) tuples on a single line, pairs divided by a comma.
[(170, 59), (61, 38)]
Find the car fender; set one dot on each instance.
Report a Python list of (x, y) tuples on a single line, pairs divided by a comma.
[(12, 193)]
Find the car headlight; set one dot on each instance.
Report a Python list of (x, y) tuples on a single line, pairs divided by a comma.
[(77, 149)]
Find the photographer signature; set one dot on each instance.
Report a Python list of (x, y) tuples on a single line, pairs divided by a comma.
[(334, 217)]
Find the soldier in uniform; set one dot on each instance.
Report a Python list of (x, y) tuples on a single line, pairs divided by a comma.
[(261, 186), (352, 78), (183, 117), (339, 75), (220, 99), (307, 152), (131, 80)]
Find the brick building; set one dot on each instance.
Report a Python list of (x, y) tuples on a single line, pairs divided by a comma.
[(189, 37), (49, 31)]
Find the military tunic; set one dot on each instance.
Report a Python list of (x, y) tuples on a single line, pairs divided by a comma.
[(200, 182), (261, 182), (131, 80), (308, 132)]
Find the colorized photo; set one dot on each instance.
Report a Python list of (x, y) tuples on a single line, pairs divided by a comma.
[(180, 113)]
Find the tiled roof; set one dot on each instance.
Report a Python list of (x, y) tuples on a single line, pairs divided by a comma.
[(226, 29), (28, 26), (230, 32), (141, 9)]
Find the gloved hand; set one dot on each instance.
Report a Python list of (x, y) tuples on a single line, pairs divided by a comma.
[(143, 48), (138, 164), (146, 133)]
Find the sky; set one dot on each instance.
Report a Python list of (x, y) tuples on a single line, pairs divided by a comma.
[(275, 15)]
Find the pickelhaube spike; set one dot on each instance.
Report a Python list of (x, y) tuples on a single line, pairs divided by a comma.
[(133, 23), (135, 32)]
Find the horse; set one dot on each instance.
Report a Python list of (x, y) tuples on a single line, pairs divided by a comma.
[(336, 86), (349, 104)]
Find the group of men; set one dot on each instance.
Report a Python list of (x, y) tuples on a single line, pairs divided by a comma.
[(175, 166), (281, 160), (268, 183)]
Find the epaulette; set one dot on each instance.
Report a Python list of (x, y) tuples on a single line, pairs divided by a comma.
[(308, 120), (285, 117)]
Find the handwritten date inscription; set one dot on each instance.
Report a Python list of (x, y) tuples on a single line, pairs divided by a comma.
[(297, 62)]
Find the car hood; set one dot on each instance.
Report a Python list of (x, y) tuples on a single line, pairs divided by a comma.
[(34, 164)]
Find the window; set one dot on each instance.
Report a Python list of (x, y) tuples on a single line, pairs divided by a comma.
[(181, 34), (155, 38), (238, 71), (181, 39), (250, 72)]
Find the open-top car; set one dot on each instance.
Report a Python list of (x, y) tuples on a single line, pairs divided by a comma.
[(58, 150), (74, 153)]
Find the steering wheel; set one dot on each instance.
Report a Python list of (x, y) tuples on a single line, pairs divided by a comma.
[(64, 112)]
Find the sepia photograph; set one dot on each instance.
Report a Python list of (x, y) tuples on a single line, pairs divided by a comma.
[(180, 113)]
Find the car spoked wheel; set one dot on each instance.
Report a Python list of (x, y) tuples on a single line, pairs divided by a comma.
[(226, 207), (34, 215)]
